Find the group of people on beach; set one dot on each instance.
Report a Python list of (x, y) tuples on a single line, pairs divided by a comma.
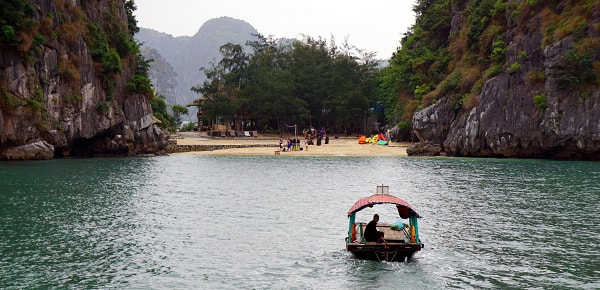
[(293, 144), (311, 134)]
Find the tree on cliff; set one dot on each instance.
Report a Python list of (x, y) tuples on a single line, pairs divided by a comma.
[(419, 65)]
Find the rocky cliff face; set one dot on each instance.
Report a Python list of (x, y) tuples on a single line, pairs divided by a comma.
[(545, 103), (162, 76), (188, 54), (68, 84)]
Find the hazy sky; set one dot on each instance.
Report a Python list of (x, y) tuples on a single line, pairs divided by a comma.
[(376, 26)]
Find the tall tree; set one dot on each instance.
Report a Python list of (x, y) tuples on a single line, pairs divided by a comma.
[(220, 102), (178, 111)]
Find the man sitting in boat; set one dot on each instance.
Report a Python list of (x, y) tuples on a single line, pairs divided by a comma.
[(371, 233)]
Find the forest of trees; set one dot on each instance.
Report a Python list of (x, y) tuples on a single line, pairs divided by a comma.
[(309, 82)]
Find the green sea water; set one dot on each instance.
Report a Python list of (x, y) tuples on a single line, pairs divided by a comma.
[(235, 222)]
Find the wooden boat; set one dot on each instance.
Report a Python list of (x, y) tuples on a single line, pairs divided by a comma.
[(400, 243)]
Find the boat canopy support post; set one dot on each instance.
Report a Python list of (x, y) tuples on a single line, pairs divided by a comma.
[(413, 222), (351, 227)]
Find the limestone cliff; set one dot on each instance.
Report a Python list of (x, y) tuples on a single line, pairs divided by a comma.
[(188, 54), (72, 80), (162, 76), (540, 97)]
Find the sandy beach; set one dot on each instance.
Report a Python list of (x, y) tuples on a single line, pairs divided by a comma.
[(344, 146)]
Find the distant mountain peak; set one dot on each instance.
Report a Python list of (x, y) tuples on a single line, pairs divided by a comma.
[(225, 24), (188, 54)]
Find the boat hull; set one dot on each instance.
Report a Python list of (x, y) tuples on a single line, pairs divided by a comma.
[(391, 252)]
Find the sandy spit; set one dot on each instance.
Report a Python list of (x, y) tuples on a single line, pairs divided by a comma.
[(336, 147)]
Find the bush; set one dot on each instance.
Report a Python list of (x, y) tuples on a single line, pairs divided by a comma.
[(586, 94), (15, 17), (540, 101), (112, 62), (100, 50), (516, 13), (7, 100), (476, 89), (493, 71), (46, 26), (159, 110), (450, 83), (38, 40), (97, 41), (421, 90), (130, 7), (188, 127), (498, 51), (536, 75), (580, 69), (109, 84), (522, 55), (499, 7), (9, 35), (71, 32), (479, 15), (515, 67), (457, 103), (34, 104), (69, 73), (580, 31), (73, 98), (139, 84), (102, 108), (404, 130), (124, 43)]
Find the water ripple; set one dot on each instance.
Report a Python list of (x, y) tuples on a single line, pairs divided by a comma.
[(265, 222)]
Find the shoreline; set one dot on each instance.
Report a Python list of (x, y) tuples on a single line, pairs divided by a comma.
[(267, 145)]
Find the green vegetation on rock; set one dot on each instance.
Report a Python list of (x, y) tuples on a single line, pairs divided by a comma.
[(580, 70), (434, 63), (160, 111), (15, 17), (540, 101), (515, 67), (62, 58)]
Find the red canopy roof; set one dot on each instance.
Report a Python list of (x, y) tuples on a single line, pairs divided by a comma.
[(404, 209)]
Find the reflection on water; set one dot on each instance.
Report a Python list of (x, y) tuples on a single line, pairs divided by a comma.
[(265, 222)]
